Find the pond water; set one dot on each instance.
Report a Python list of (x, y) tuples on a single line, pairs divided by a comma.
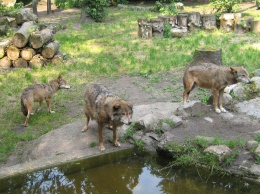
[(124, 173)]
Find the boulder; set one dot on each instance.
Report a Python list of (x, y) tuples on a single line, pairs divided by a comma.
[(221, 151)]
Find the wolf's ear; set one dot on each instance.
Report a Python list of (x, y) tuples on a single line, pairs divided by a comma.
[(60, 77), (233, 70), (130, 105), (116, 106)]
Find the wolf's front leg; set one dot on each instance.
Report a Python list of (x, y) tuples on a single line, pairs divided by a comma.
[(220, 100), (100, 135), (48, 101), (116, 143)]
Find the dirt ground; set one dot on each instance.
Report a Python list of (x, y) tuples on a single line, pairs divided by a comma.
[(166, 87)]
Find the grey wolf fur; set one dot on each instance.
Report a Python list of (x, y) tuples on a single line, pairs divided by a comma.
[(39, 93), (213, 77), (106, 109)]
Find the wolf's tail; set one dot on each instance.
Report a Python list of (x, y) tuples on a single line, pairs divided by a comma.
[(23, 108)]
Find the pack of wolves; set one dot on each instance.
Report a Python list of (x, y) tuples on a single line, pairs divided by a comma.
[(110, 110)]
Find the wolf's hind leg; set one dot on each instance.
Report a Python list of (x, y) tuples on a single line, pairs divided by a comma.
[(188, 87), (29, 108), (40, 107)]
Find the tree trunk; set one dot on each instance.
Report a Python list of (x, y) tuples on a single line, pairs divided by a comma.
[(207, 55), (27, 54), (83, 14), (5, 63), (3, 46), (20, 62), (21, 37), (50, 49), (255, 26), (37, 61), (13, 52), (39, 38), (229, 20), (48, 6), (3, 29), (157, 26), (182, 20), (25, 15), (34, 6), (194, 21), (57, 59), (209, 21)]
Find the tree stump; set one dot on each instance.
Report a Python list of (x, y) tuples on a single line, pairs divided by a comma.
[(5, 63), (27, 53), (21, 37), (244, 25), (168, 19), (141, 22), (194, 21), (255, 26), (209, 21), (39, 38), (25, 15), (229, 20), (178, 33), (157, 26), (20, 63), (37, 61), (50, 49), (207, 55), (57, 59), (182, 20), (3, 46), (13, 52)]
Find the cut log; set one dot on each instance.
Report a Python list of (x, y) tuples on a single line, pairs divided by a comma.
[(144, 28), (229, 20), (39, 38), (13, 52), (5, 63), (50, 49), (37, 61), (194, 21), (3, 46), (255, 26), (207, 55), (182, 20), (25, 15), (3, 29), (178, 32), (209, 21), (3, 20), (244, 25), (57, 59), (21, 37), (27, 53), (20, 63), (157, 26)]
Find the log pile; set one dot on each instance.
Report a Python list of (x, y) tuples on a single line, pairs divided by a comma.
[(187, 22), (32, 45)]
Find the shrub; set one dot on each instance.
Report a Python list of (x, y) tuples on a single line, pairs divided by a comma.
[(224, 5), (162, 7), (95, 9)]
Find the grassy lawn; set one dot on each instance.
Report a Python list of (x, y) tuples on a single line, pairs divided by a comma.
[(106, 50)]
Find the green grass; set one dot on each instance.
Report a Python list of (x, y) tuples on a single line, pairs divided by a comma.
[(105, 50)]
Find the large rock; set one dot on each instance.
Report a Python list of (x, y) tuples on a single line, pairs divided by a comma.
[(221, 151), (193, 108), (251, 107)]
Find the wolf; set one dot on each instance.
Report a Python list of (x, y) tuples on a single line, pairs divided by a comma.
[(106, 109), (39, 93), (214, 77)]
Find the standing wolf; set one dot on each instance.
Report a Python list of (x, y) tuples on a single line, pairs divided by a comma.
[(39, 93), (106, 109), (213, 77)]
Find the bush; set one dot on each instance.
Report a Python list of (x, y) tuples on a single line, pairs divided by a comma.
[(95, 9), (227, 6), (7, 9), (67, 4), (162, 7)]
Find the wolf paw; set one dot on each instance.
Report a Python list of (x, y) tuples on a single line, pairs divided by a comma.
[(218, 110), (223, 110), (117, 144), (102, 148)]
